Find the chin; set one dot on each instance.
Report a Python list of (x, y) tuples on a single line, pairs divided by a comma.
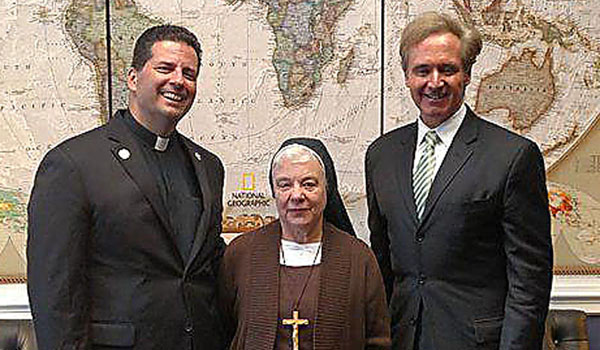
[(437, 113), (173, 116), (299, 222), (176, 109)]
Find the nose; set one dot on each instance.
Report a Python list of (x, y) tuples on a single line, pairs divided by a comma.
[(177, 77), (297, 193), (436, 79)]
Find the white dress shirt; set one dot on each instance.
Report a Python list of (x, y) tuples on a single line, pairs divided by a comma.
[(446, 132)]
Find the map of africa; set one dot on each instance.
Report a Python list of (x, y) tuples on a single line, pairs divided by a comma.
[(274, 69)]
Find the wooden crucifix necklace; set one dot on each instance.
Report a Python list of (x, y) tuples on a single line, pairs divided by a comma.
[(296, 321)]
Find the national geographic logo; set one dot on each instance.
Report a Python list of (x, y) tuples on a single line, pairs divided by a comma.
[(248, 182), (246, 199)]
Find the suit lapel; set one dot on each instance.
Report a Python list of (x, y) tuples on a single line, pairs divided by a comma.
[(196, 157), (404, 171), (127, 152), (458, 154)]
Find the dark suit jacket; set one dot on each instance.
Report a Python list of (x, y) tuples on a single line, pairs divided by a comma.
[(479, 263), (104, 270)]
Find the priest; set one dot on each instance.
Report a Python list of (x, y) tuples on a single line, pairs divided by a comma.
[(124, 221)]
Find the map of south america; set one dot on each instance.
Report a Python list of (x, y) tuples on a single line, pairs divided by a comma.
[(85, 22)]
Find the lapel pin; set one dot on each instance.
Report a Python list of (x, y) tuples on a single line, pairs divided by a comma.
[(197, 155), (124, 153)]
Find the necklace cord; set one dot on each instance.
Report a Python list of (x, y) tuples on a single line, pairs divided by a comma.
[(297, 303)]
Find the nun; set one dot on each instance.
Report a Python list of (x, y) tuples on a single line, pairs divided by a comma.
[(303, 281)]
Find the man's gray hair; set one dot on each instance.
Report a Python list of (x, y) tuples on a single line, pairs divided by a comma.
[(430, 23)]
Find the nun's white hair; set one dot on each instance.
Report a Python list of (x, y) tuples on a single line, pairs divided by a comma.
[(296, 153)]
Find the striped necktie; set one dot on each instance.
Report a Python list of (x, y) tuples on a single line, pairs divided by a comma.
[(424, 174)]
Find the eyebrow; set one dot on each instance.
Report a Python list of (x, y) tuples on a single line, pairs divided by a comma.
[(306, 177), (424, 65), (170, 63)]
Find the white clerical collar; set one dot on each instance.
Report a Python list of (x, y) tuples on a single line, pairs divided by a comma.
[(299, 254), (161, 143), (447, 130)]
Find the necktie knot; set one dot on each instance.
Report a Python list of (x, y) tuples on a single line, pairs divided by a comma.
[(432, 138)]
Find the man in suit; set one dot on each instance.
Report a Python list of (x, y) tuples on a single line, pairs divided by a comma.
[(458, 209), (125, 220)]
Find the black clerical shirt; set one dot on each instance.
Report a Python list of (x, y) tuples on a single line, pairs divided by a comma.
[(176, 180)]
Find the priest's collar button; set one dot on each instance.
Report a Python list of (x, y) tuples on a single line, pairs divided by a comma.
[(161, 143), (124, 153)]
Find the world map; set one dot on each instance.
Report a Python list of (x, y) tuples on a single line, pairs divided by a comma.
[(275, 69)]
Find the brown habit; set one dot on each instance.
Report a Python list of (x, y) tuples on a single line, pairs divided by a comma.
[(351, 310)]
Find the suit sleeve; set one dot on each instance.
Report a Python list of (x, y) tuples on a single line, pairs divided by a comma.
[(218, 221), (377, 317), (528, 249), (58, 230), (378, 228), (227, 292)]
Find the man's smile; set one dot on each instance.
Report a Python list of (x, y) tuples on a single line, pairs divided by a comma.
[(173, 96), (436, 95)]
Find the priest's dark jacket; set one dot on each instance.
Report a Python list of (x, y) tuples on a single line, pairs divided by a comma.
[(475, 272), (104, 270), (351, 308)]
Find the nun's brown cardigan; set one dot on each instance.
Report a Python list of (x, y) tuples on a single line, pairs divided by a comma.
[(351, 310)]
